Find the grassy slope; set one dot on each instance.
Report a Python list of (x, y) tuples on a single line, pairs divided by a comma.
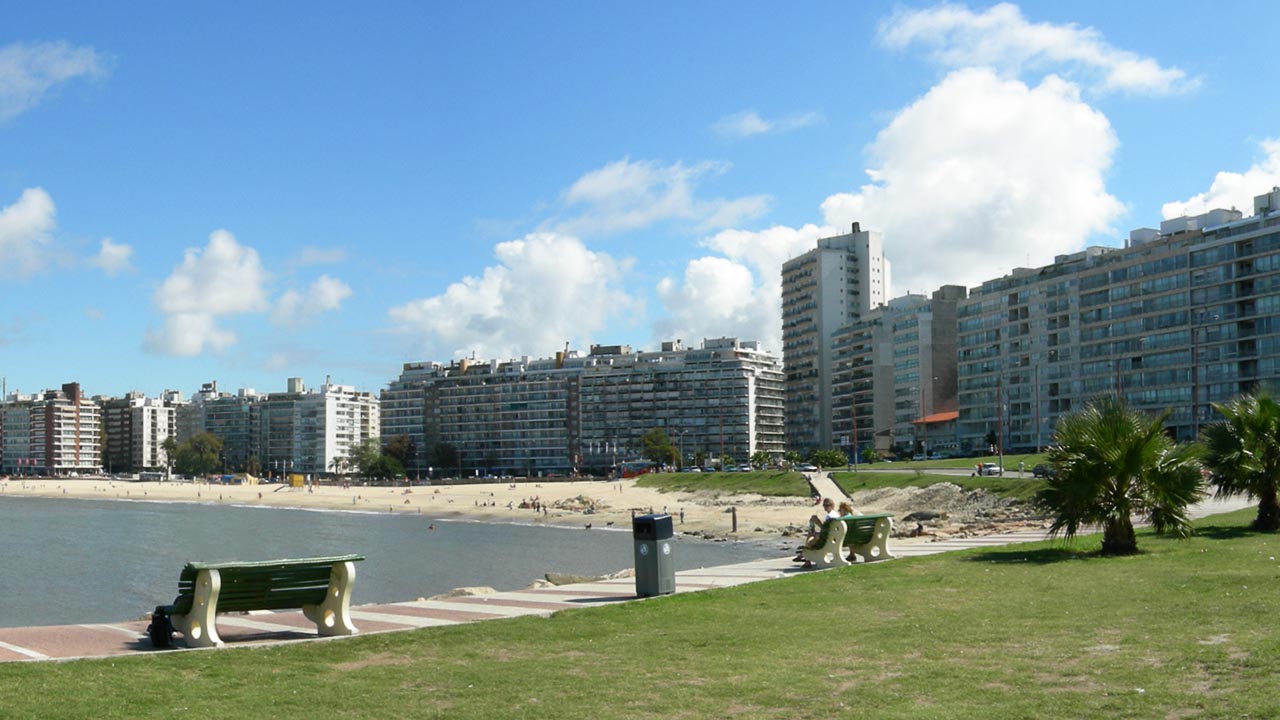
[(1183, 630), (762, 482), (1007, 486)]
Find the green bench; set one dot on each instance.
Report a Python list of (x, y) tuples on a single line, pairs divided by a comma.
[(865, 536), (320, 586)]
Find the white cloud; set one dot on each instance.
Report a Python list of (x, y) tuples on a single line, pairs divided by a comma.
[(976, 177), (738, 294), (28, 72), (626, 195), (325, 294), (545, 290), (113, 257), (24, 232), (223, 279), (981, 175), (1002, 38), (1231, 189), (748, 123)]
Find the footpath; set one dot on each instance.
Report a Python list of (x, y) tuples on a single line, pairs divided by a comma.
[(65, 642)]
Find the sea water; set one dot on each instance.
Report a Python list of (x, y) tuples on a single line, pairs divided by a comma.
[(84, 561)]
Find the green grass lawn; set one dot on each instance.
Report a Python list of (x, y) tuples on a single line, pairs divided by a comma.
[(1007, 486), (778, 483), (1010, 463), (1186, 629)]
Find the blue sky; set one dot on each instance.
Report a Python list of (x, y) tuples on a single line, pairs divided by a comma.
[(247, 192)]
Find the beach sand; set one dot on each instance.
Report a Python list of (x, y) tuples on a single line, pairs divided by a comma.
[(611, 504)]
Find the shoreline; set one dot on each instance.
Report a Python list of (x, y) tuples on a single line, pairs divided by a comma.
[(583, 504)]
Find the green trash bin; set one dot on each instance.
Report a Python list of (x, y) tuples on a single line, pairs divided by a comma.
[(655, 565)]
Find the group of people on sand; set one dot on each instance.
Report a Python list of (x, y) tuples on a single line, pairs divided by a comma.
[(830, 512)]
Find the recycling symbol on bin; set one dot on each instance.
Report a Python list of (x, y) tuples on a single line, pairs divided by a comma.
[(644, 549), (666, 548)]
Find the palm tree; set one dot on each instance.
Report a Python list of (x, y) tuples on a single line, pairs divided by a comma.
[(1243, 453), (1114, 463)]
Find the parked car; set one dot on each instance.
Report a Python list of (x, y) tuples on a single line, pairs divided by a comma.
[(807, 467), (1044, 470), (988, 469)]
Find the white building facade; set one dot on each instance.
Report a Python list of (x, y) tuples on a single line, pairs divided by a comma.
[(823, 290)]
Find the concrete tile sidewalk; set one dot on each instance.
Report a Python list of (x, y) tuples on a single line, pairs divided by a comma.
[(62, 642)]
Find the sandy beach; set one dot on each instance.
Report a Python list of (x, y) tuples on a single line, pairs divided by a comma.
[(589, 504), (597, 504)]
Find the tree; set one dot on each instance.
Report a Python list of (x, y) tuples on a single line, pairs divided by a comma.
[(402, 449), (869, 455), (792, 458), (657, 446), (1114, 463), (444, 455), (828, 458), (760, 459), (364, 455), (1243, 453), (991, 440), (198, 455), (385, 467), (170, 447)]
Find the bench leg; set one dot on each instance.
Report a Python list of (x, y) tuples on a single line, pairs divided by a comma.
[(197, 627), (831, 554), (333, 616), (877, 548)]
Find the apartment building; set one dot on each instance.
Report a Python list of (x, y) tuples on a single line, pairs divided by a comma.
[(228, 416), (823, 290), (575, 412), (894, 376), (55, 432), (1178, 319), (724, 399), (296, 430), (135, 428)]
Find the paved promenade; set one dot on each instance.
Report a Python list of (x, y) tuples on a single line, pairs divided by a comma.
[(63, 642)]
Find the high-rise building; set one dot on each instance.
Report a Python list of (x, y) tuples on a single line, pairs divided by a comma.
[(894, 373), (823, 290), (721, 400), (574, 412), (1180, 318), (135, 428), (297, 430), (52, 433)]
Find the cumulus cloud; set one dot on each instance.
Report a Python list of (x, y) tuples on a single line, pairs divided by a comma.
[(325, 294), (29, 72), (1233, 190), (748, 123), (979, 175), (626, 195), (545, 290), (737, 293), (1002, 38), (222, 280), (113, 257), (24, 232)]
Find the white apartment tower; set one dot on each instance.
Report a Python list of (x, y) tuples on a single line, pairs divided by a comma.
[(823, 290)]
